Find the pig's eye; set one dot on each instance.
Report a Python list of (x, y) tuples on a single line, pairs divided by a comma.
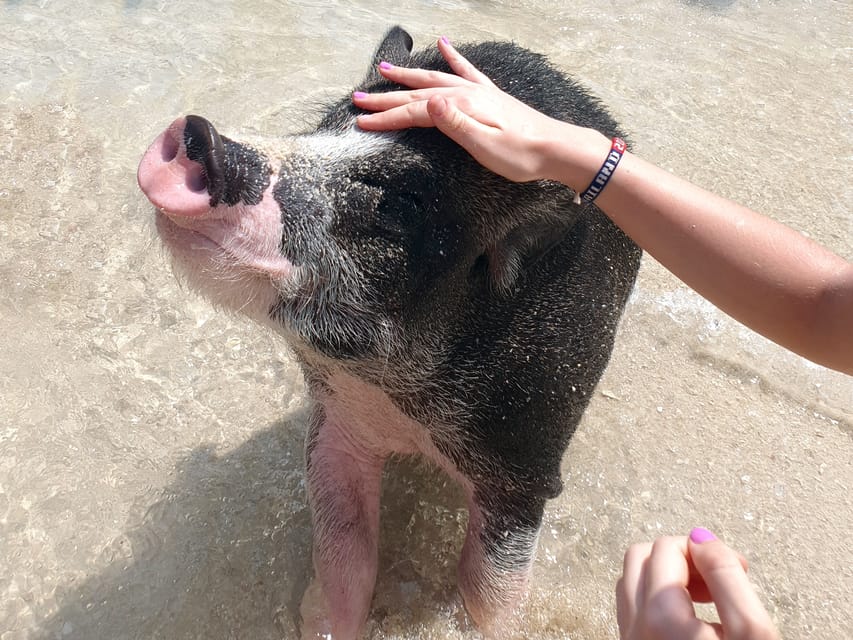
[(408, 204), (399, 212)]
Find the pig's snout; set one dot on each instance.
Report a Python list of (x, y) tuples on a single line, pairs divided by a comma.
[(182, 173)]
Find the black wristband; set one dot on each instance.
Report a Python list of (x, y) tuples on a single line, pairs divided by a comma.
[(617, 148)]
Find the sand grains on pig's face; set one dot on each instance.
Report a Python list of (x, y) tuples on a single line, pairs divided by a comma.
[(327, 215), (277, 257)]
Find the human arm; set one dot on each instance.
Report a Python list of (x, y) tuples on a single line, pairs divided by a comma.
[(761, 272), (661, 581)]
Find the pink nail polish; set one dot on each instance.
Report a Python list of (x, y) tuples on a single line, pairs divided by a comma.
[(359, 95), (445, 39), (385, 65), (700, 535)]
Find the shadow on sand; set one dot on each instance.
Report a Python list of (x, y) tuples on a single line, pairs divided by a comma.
[(224, 550)]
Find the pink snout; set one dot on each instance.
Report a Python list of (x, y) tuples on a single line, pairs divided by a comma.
[(169, 179)]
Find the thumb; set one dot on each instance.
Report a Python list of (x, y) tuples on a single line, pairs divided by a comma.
[(455, 124), (469, 133), (741, 613)]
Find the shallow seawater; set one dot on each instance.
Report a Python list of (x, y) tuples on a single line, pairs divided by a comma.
[(151, 481)]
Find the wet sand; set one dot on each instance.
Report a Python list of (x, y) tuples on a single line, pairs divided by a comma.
[(151, 481)]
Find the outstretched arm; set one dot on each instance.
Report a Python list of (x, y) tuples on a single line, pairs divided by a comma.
[(761, 272)]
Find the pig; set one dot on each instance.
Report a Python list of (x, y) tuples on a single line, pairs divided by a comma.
[(435, 308)]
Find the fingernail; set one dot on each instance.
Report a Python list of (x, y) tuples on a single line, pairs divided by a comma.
[(359, 95), (445, 39), (385, 65), (700, 535)]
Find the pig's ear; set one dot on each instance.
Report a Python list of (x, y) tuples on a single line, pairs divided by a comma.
[(395, 48), (521, 249)]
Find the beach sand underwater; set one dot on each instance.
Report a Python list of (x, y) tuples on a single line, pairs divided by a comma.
[(151, 446)]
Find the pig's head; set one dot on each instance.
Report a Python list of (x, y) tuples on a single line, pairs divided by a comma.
[(352, 242)]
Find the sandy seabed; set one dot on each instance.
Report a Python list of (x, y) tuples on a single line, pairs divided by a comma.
[(151, 464)]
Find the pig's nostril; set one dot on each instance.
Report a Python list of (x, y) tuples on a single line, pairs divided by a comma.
[(169, 150), (196, 180)]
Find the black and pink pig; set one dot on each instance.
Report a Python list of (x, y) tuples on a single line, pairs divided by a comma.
[(436, 309)]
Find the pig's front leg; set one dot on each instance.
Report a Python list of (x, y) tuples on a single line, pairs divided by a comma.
[(343, 491), (503, 530)]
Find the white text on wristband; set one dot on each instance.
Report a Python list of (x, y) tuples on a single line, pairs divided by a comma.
[(617, 148)]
